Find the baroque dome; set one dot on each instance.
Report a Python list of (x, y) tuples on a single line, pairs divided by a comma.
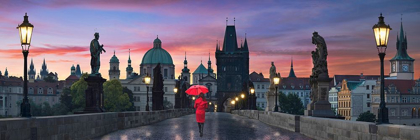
[(157, 55)]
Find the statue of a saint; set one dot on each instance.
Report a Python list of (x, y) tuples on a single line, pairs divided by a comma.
[(95, 53), (319, 57), (272, 72)]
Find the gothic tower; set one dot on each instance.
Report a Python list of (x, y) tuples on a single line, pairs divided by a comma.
[(78, 72), (44, 71), (6, 73), (209, 69), (402, 65), (292, 72), (114, 68), (129, 69), (232, 67), (31, 72), (185, 71)]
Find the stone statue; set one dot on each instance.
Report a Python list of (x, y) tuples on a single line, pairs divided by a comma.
[(319, 80), (157, 90), (319, 57), (95, 53), (270, 94)]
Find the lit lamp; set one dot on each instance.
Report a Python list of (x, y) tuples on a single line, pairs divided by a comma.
[(381, 31), (242, 101), (276, 81), (236, 98), (175, 90), (193, 98), (252, 91), (242, 95), (25, 31), (209, 103), (146, 80), (233, 102)]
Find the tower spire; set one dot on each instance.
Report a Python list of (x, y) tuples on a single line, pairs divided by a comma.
[(292, 72)]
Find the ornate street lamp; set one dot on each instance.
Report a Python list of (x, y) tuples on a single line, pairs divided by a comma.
[(146, 80), (252, 91), (25, 31), (276, 80), (381, 31)]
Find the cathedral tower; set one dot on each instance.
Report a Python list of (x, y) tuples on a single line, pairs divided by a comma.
[(402, 65), (185, 70), (129, 69), (114, 68), (31, 72)]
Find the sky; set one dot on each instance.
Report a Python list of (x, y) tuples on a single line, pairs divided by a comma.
[(275, 30)]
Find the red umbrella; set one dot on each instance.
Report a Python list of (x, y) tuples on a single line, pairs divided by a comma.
[(197, 89)]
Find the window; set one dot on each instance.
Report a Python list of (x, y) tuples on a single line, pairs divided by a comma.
[(392, 100), (404, 100), (373, 87), (166, 89), (262, 95), (392, 112), (368, 104), (1, 101), (262, 105), (262, 86), (367, 87), (404, 112), (258, 86), (165, 73), (368, 96), (46, 99), (301, 94), (144, 71), (40, 91)]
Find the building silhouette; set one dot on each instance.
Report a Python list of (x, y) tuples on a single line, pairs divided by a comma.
[(232, 67)]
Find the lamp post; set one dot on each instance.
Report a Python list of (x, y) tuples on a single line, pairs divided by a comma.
[(236, 100), (381, 31), (25, 31), (252, 91), (276, 80), (146, 80), (242, 102)]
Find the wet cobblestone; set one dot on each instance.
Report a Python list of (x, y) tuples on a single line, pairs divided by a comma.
[(223, 126)]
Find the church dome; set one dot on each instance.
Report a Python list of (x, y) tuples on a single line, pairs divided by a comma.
[(114, 59), (157, 55)]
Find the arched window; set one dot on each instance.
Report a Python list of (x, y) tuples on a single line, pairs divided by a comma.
[(114, 68)]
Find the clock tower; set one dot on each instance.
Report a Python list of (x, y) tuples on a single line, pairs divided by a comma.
[(402, 65)]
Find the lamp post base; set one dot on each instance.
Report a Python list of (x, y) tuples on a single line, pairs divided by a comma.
[(383, 116), (25, 109)]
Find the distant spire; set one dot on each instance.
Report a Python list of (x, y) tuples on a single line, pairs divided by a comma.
[(114, 52), (6, 73), (226, 21), (245, 44), (234, 20), (129, 57), (292, 72)]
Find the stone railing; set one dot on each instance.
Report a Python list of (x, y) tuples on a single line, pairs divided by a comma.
[(80, 126), (328, 129)]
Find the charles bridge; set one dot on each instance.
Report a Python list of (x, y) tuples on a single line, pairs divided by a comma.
[(180, 124)]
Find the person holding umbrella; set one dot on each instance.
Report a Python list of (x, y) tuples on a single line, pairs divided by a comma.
[(200, 105)]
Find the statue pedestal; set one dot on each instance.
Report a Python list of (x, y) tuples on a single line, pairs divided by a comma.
[(322, 107), (94, 95), (271, 98)]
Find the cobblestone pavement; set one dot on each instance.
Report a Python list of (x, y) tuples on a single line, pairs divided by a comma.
[(223, 126)]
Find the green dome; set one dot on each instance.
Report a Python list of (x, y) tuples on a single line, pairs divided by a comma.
[(157, 54), (114, 59), (157, 40), (73, 68)]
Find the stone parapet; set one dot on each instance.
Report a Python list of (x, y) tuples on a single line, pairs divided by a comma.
[(333, 129), (81, 126)]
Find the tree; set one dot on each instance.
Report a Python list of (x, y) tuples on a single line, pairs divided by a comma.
[(60, 109), (167, 105), (78, 92), (66, 99), (115, 99), (49, 79), (295, 104), (290, 103), (46, 109), (366, 117), (130, 95), (283, 102)]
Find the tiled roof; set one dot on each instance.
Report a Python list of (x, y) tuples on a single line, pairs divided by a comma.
[(403, 86), (255, 77), (293, 83), (339, 78)]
